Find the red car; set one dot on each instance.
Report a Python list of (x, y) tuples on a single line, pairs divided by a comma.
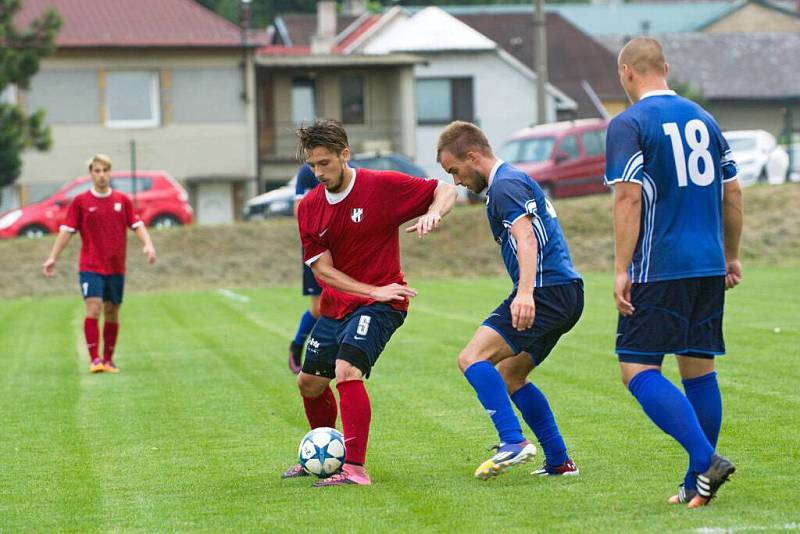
[(158, 199), (565, 158)]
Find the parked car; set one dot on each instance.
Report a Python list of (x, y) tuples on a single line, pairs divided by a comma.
[(566, 158), (280, 202), (158, 199), (759, 157)]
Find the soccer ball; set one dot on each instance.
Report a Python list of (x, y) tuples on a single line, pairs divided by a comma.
[(322, 452)]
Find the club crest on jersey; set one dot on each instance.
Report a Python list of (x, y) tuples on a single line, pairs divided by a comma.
[(357, 215), (117, 206)]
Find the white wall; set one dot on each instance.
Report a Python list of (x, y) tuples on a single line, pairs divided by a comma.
[(505, 100)]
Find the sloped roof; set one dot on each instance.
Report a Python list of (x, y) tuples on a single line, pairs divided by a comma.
[(422, 32), (139, 23), (735, 66), (296, 29), (627, 18), (572, 56)]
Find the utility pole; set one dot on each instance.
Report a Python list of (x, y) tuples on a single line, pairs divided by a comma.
[(540, 60), (133, 173)]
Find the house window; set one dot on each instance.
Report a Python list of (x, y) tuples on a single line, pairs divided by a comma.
[(352, 87), (304, 103), (132, 99), (441, 100)]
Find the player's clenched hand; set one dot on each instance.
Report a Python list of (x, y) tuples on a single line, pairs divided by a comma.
[(425, 224), (733, 274), (523, 312), (392, 292), (622, 293), (150, 252), (48, 267)]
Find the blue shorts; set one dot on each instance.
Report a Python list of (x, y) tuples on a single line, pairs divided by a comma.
[(673, 317), (558, 309), (310, 284), (362, 334), (108, 287)]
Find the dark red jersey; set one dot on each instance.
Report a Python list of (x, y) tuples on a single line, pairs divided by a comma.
[(359, 227), (102, 222)]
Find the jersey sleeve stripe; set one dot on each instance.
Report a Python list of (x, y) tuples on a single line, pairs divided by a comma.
[(309, 261), (137, 224), (65, 228)]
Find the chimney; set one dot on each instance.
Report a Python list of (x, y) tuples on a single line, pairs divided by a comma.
[(322, 41), (356, 8)]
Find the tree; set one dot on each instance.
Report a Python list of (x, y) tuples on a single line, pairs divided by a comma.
[(20, 53)]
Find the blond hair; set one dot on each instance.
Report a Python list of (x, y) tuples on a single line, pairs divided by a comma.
[(460, 137), (99, 158), (644, 55)]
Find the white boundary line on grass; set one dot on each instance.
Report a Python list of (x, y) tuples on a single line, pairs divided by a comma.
[(726, 530), (227, 293)]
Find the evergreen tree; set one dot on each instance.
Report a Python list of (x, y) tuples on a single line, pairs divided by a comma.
[(20, 53)]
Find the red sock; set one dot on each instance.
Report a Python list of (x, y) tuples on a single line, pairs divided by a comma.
[(321, 411), (109, 339), (356, 416), (92, 334)]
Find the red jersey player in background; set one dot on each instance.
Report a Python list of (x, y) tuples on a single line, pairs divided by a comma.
[(102, 217), (349, 229)]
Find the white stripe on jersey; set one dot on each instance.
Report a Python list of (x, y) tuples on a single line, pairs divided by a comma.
[(650, 195), (636, 159)]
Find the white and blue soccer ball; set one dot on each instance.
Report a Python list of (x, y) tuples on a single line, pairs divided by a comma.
[(322, 452)]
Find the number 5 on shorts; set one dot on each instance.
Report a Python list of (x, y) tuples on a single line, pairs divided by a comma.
[(363, 325)]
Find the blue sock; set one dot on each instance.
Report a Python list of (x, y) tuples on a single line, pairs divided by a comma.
[(703, 393), (492, 393), (535, 409), (307, 322), (671, 412)]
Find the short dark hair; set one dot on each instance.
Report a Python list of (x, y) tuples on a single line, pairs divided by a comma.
[(459, 137), (326, 133)]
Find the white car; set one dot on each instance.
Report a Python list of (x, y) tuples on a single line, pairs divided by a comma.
[(758, 156)]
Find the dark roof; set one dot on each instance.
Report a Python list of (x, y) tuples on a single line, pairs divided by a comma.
[(139, 23), (734, 66), (572, 56), (297, 28)]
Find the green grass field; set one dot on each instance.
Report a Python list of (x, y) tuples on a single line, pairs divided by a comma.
[(194, 432)]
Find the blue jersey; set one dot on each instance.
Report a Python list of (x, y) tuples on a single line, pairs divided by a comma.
[(306, 181), (511, 195), (675, 150)]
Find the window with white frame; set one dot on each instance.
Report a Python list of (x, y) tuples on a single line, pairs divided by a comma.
[(132, 99), (441, 100)]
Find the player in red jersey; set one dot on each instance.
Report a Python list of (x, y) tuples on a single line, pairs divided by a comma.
[(101, 216), (350, 240)]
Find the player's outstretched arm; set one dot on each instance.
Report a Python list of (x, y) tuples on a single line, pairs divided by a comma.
[(49, 266), (148, 249), (627, 214), (444, 197), (733, 218), (324, 270)]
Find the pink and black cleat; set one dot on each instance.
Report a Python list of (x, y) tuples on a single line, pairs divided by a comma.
[(350, 474)]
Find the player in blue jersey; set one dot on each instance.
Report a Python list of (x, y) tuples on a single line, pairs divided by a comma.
[(545, 303), (305, 182), (677, 225)]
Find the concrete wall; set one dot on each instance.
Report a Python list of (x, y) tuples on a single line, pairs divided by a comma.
[(754, 18), (206, 128), (759, 115), (504, 100)]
